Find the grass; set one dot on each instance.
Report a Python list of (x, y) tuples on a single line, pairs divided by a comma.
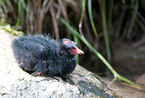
[(84, 40)]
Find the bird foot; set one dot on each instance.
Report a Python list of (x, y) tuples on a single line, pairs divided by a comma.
[(38, 73), (64, 78)]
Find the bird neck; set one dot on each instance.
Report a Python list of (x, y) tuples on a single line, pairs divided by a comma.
[(65, 55)]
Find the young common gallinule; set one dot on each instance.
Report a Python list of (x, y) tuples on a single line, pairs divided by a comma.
[(43, 55)]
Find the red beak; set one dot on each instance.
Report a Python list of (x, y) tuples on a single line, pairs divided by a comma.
[(76, 51)]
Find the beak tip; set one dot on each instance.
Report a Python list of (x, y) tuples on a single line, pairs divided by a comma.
[(80, 52)]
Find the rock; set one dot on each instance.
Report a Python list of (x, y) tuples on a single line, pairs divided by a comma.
[(17, 83)]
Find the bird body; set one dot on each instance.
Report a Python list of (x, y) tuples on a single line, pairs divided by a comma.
[(43, 55)]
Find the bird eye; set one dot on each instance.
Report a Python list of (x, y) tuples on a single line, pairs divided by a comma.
[(69, 48), (72, 47), (74, 43)]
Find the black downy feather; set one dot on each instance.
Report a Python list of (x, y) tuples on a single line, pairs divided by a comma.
[(43, 55)]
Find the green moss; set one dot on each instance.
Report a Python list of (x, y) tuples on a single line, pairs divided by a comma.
[(9, 29)]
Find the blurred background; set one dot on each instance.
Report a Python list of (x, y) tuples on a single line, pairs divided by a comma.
[(115, 28)]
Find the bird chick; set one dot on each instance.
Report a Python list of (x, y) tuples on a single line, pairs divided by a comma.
[(43, 55)]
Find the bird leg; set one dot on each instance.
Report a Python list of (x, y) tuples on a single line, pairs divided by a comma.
[(43, 72), (54, 77), (36, 73), (64, 77), (67, 79), (39, 73)]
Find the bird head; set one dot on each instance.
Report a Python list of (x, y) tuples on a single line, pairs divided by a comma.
[(70, 47)]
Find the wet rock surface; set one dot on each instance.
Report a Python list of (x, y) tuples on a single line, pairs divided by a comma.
[(17, 83)]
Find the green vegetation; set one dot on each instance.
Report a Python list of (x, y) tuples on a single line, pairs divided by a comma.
[(11, 30), (116, 75)]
